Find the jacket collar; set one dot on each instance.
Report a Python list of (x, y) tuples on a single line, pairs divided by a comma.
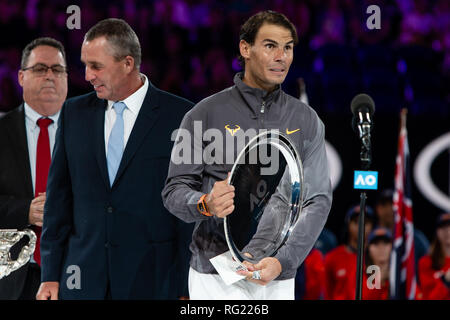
[(255, 96), (17, 133), (146, 119)]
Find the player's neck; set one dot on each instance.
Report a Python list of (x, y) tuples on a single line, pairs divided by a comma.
[(254, 82)]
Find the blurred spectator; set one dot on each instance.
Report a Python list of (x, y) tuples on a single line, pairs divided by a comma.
[(340, 263), (434, 268), (219, 70), (310, 278), (327, 241), (358, 27), (441, 19), (15, 30), (181, 33), (333, 26), (10, 91), (7, 97), (378, 253), (417, 24), (384, 211), (197, 80), (175, 61)]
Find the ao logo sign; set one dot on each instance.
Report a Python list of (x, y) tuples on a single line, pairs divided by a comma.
[(422, 170), (367, 180)]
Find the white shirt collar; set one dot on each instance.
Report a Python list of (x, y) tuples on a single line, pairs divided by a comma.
[(34, 116), (134, 101)]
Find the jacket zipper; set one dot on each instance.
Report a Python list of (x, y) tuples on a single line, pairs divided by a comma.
[(263, 105)]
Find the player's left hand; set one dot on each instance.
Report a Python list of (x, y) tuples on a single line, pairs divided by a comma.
[(269, 268)]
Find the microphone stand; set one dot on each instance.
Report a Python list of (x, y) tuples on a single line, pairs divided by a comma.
[(366, 159)]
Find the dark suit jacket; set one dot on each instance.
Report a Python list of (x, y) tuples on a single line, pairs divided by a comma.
[(120, 236), (16, 191)]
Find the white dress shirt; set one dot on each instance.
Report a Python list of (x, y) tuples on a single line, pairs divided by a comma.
[(130, 113), (32, 128)]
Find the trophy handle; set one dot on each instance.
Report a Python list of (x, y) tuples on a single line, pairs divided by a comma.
[(8, 238)]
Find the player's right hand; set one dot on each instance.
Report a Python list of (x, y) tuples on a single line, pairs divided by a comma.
[(220, 201)]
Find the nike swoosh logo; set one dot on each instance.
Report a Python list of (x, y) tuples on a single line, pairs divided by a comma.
[(289, 132)]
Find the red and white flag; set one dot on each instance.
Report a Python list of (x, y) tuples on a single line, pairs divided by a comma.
[(403, 283)]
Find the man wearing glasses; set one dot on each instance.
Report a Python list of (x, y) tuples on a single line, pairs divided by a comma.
[(27, 137)]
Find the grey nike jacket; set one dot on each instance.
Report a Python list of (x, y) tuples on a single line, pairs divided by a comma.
[(204, 152)]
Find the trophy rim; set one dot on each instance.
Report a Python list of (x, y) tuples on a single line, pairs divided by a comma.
[(7, 266), (289, 148)]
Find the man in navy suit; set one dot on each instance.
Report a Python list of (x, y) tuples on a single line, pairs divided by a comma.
[(106, 234)]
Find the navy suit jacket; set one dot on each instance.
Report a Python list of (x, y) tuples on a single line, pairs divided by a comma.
[(119, 236), (16, 191)]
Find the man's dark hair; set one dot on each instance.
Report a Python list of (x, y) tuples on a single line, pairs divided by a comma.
[(251, 27), (45, 41), (123, 40)]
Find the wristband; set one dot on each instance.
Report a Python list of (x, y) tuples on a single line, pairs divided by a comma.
[(202, 207)]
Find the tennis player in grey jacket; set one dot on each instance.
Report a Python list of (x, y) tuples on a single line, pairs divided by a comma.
[(207, 144)]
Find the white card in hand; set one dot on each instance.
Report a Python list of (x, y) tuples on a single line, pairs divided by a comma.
[(227, 268)]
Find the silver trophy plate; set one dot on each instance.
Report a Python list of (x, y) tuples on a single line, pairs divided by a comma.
[(8, 238), (268, 181)]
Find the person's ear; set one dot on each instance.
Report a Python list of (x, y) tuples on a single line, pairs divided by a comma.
[(20, 76), (129, 63), (244, 48)]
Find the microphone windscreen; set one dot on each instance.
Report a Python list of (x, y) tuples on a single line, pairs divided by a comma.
[(362, 100)]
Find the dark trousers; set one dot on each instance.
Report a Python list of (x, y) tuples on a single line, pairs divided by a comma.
[(32, 282), (108, 292)]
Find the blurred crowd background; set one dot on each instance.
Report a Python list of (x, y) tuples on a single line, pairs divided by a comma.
[(190, 46)]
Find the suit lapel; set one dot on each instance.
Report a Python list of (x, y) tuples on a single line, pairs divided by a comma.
[(145, 120), (98, 127), (17, 133)]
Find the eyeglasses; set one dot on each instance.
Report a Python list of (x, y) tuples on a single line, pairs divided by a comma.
[(41, 69)]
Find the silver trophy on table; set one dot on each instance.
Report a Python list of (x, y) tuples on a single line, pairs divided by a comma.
[(268, 181), (8, 238)]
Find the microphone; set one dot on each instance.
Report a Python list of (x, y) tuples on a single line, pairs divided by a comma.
[(363, 107)]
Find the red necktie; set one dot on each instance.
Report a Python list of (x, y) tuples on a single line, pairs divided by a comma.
[(43, 159)]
